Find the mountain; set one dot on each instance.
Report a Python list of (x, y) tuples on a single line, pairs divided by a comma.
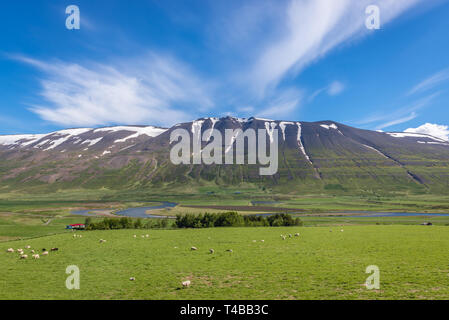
[(323, 156)]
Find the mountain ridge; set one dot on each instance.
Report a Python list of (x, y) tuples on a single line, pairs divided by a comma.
[(325, 156)]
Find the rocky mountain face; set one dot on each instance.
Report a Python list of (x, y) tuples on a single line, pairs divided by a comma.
[(321, 156)]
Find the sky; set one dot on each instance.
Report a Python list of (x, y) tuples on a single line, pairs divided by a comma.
[(159, 63)]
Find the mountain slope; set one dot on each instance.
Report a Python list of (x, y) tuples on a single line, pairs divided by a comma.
[(313, 156)]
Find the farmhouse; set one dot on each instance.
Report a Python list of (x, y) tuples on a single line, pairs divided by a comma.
[(78, 226)]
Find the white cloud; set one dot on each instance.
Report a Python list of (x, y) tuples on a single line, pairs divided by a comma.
[(335, 88), (400, 115), (284, 105), (397, 121), (147, 91), (430, 82), (312, 29), (435, 130)]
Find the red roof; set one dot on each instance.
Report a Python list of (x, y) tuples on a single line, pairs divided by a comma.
[(78, 224)]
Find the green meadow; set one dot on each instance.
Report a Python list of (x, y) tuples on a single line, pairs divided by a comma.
[(322, 263)]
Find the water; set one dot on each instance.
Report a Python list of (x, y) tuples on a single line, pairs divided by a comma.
[(401, 214), (139, 212), (264, 202)]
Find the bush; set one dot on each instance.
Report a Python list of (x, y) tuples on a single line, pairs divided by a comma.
[(124, 223), (233, 219)]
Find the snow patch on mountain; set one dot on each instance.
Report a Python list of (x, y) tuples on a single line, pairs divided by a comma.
[(301, 146), (282, 125), (413, 135)]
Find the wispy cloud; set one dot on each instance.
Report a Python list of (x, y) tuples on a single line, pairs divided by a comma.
[(311, 30), (430, 82), (287, 102), (401, 115), (147, 91), (397, 121), (335, 88)]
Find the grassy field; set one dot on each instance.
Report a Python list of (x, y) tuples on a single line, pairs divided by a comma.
[(413, 259), (413, 262)]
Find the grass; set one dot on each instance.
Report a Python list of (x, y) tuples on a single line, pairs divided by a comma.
[(320, 264)]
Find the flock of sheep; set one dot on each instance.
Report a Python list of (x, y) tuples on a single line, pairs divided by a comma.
[(185, 284), (35, 255)]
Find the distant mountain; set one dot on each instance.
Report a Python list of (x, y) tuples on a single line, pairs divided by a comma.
[(323, 156)]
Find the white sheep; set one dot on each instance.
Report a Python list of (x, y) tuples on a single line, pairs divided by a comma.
[(23, 256), (36, 256), (186, 284), (135, 236), (147, 235), (262, 240), (27, 247), (132, 279), (211, 251), (296, 234), (194, 248), (10, 250), (102, 240), (45, 253)]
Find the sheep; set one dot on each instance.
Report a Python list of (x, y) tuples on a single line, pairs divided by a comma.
[(229, 250), (194, 248), (186, 284), (283, 238), (342, 230), (54, 249), (132, 279), (36, 256), (23, 256), (19, 250), (44, 249), (211, 251), (10, 250), (27, 247), (289, 235), (102, 240), (32, 251), (297, 234), (147, 235), (262, 240), (254, 240), (143, 236), (45, 253), (135, 236)]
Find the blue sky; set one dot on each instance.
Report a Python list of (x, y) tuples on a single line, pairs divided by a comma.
[(163, 62)]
